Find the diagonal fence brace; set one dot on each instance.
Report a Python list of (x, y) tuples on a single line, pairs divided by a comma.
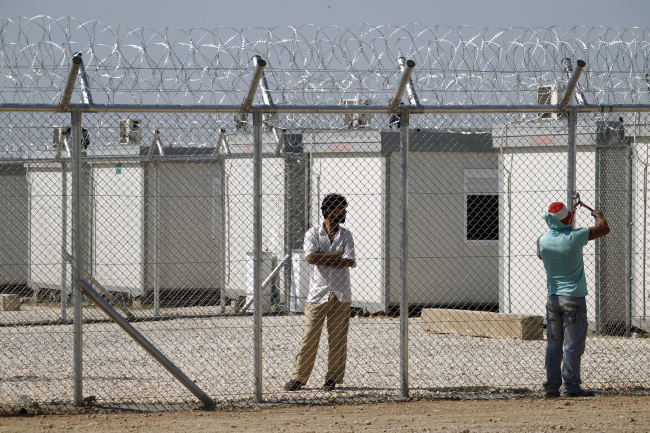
[(91, 293)]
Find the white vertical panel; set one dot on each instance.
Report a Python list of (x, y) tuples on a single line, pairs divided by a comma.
[(358, 177), (118, 227), (46, 215)]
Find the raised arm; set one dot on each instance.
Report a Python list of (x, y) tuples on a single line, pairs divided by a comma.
[(601, 229)]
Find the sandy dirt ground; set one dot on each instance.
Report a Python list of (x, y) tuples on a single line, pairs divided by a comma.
[(530, 414)]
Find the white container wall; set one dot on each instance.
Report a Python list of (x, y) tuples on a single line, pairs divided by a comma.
[(299, 282), (238, 178), (641, 233), (158, 225), (351, 163), (364, 166), (445, 269), (50, 223), (533, 175), (269, 292), (119, 221), (14, 248)]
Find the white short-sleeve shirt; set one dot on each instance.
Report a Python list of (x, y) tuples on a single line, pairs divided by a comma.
[(326, 279)]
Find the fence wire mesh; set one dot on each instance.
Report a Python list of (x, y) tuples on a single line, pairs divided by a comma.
[(167, 217), (203, 225)]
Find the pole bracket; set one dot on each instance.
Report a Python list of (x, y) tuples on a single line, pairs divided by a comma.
[(69, 84), (573, 76), (403, 82), (410, 88), (250, 94)]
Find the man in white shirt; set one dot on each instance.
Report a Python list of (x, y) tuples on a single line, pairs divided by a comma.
[(330, 250)]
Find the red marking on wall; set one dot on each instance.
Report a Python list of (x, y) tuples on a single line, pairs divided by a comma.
[(338, 147), (542, 139), (248, 148)]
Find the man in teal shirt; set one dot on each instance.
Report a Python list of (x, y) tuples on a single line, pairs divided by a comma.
[(566, 310)]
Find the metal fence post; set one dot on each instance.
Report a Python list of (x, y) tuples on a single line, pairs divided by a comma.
[(222, 222), (629, 250), (64, 240), (156, 216), (76, 252), (403, 259), (257, 253), (571, 160)]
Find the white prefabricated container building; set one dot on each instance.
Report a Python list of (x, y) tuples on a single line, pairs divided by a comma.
[(284, 192), (50, 222), (14, 212), (364, 166), (157, 225), (533, 174)]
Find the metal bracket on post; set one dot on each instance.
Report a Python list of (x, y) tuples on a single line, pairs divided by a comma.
[(403, 281), (573, 77), (410, 89), (647, 80), (69, 84), (268, 100), (59, 147), (83, 81), (154, 142), (266, 93), (280, 140), (90, 292), (222, 141), (403, 82), (257, 76)]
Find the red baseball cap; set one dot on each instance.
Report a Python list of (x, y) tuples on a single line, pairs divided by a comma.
[(559, 211)]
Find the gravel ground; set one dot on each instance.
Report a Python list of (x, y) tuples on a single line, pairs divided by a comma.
[(217, 353)]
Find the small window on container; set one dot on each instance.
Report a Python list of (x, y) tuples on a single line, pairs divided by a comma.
[(481, 205)]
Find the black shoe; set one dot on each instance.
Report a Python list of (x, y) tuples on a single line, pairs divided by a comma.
[(329, 385), (293, 385), (552, 394), (581, 393)]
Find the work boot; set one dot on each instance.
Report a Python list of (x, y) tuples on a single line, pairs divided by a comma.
[(293, 385), (329, 385), (552, 394)]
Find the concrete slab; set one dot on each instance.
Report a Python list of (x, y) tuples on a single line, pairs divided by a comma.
[(9, 302), (483, 324)]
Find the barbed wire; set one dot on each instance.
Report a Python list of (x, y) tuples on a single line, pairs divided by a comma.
[(317, 65)]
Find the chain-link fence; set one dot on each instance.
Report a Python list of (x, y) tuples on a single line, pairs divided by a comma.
[(154, 254), (167, 235)]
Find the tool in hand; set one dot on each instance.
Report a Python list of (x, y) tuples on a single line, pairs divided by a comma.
[(577, 202)]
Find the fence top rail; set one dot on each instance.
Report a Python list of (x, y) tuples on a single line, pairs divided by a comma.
[(326, 109)]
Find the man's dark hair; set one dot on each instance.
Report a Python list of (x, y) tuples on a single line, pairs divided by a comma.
[(331, 202)]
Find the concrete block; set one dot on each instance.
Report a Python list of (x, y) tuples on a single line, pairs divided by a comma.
[(10, 302), (483, 324)]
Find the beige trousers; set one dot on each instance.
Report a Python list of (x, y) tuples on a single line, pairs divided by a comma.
[(337, 314)]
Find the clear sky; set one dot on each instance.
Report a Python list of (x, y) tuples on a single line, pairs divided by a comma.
[(241, 13)]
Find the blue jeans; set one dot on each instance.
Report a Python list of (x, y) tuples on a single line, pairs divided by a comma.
[(566, 331)]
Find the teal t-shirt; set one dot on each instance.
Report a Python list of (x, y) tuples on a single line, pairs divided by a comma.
[(561, 251)]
